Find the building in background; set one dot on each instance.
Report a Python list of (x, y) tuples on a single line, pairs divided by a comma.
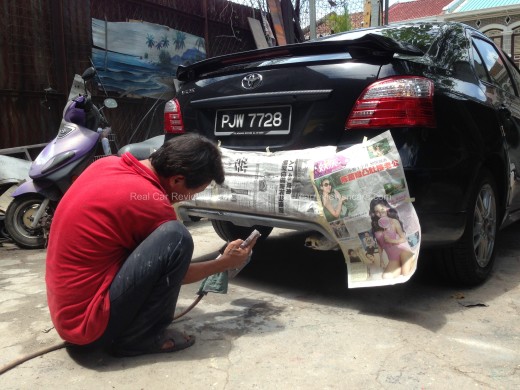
[(408, 10)]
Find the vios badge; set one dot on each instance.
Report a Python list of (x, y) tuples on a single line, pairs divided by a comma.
[(251, 81)]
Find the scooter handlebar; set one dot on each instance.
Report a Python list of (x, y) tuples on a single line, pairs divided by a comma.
[(84, 112)]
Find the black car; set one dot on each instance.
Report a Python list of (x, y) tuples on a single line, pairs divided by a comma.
[(449, 96)]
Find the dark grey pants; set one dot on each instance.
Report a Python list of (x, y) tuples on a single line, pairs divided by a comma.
[(144, 293)]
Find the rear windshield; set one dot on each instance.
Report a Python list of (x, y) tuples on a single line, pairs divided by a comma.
[(421, 36)]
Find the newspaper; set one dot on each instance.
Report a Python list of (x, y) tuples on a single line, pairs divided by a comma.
[(276, 184), (359, 195), (366, 202)]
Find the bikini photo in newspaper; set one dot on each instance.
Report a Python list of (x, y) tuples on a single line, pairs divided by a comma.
[(366, 203)]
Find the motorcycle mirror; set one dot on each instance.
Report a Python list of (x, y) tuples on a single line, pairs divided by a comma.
[(88, 74), (110, 103)]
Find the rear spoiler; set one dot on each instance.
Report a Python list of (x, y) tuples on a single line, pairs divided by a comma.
[(369, 45)]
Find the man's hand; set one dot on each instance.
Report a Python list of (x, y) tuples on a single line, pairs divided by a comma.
[(234, 256)]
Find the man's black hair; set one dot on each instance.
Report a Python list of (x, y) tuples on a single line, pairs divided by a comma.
[(191, 155)]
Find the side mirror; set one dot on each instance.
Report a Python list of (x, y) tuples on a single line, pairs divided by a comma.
[(88, 74), (110, 103)]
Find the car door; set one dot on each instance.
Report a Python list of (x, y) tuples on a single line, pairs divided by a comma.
[(497, 71)]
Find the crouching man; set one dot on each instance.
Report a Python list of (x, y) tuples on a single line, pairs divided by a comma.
[(117, 256)]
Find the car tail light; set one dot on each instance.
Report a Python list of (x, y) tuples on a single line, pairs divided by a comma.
[(394, 102), (173, 118)]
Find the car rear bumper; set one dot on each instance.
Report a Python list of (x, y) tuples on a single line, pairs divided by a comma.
[(436, 229), (245, 219)]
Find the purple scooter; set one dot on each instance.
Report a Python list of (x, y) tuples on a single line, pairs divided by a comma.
[(28, 217)]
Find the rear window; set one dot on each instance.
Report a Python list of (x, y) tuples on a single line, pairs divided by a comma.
[(421, 36)]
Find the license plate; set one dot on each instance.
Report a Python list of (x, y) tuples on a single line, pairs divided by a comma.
[(274, 120)]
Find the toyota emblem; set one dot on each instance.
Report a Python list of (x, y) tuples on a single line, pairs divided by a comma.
[(251, 81)]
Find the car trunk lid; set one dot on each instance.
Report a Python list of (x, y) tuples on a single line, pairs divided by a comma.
[(289, 97)]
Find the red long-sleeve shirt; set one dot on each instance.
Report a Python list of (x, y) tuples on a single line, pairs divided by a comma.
[(108, 211)]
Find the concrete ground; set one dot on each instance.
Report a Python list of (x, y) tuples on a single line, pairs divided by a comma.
[(288, 322)]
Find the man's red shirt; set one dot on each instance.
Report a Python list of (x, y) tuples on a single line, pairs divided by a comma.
[(108, 211)]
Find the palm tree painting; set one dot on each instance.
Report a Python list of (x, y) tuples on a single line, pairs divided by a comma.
[(200, 44), (143, 57), (180, 37), (164, 41), (150, 41)]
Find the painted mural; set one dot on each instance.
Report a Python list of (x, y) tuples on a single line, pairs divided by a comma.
[(140, 58)]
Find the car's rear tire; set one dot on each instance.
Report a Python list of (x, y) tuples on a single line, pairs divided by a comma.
[(470, 261), (229, 231)]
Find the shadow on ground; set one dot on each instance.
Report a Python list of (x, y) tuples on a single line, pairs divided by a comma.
[(284, 264)]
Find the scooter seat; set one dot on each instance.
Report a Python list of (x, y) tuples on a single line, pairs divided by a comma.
[(142, 150)]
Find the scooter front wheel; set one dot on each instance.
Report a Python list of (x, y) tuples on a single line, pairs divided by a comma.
[(19, 217)]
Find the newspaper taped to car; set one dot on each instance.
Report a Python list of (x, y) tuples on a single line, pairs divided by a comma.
[(359, 195), (276, 184), (365, 200)]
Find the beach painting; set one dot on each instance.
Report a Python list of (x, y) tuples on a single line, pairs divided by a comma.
[(140, 59)]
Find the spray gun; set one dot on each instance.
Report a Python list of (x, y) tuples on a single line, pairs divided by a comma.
[(218, 283)]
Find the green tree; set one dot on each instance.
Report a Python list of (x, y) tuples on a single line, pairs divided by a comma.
[(340, 23)]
